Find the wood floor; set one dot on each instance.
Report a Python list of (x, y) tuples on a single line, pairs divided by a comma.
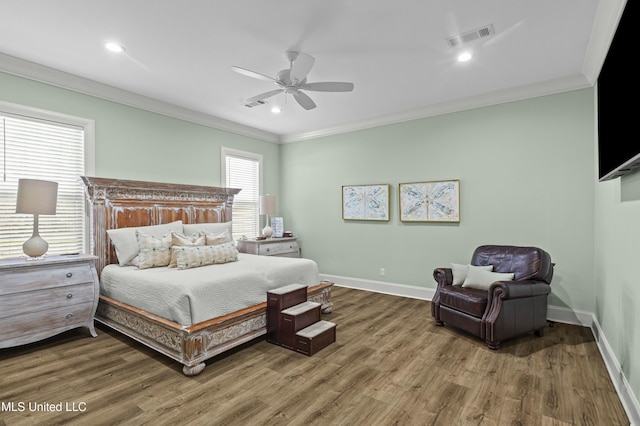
[(390, 365)]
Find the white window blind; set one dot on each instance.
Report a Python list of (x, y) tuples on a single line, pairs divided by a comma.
[(40, 149), (242, 170)]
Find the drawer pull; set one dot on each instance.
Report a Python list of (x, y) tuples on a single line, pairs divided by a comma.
[(69, 274), (69, 316), (69, 296), (268, 249)]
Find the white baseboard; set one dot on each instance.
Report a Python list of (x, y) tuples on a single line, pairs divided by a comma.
[(381, 287), (554, 313), (625, 393)]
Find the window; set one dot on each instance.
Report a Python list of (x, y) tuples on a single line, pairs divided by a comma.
[(243, 170), (37, 144)]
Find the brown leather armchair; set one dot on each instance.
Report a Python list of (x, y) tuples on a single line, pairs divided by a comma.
[(508, 308)]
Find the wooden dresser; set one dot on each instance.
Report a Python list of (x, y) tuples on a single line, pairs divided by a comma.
[(284, 247), (41, 298)]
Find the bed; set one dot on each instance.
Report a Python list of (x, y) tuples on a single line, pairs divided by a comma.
[(204, 332)]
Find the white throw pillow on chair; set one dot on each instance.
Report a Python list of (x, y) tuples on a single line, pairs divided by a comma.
[(482, 279), (460, 271)]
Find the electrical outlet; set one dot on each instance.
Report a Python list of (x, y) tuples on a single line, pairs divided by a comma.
[(382, 272)]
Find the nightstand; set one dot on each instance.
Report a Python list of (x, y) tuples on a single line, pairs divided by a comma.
[(42, 298), (283, 247)]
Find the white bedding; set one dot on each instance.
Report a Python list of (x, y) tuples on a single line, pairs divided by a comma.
[(190, 296)]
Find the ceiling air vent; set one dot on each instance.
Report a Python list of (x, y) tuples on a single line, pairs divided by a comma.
[(459, 39), (254, 104)]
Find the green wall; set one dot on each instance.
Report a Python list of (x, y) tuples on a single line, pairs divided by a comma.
[(617, 244), (526, 178)]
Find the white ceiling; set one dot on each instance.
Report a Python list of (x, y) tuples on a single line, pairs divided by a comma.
[(180, 53)]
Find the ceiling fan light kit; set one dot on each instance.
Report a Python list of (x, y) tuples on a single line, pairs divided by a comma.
[(293, 80)]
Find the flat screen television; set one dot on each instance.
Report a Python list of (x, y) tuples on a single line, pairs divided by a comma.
[(618, 144)]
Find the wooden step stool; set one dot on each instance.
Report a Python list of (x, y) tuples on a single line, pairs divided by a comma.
[(295, 319), (278, 300), (317, 336), (294, 323)]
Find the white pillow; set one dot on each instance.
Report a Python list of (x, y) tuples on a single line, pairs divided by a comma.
[(460, 271), (126, 244), (214, 228), (482, 280), (178, 239), (153, 251), (213, 239), (196, 256)]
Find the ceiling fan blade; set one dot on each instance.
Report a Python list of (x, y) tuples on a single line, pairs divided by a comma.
[(264, 95), (328, 86), (252, 74), (301, 67), (304, 100)]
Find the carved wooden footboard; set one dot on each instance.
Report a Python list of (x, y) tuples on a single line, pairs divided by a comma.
[(194, 344), (116, 204)]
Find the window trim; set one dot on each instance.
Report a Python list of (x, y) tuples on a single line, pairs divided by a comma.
[(22, 111), (226, 151), (28, 112)]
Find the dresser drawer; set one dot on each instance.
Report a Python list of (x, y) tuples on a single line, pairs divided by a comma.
[(65, 316), (272, 249), (44, 297), (40, 277), (36, 300)]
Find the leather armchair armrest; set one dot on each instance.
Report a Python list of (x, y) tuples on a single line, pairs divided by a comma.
[(443, 276), (518, 289)]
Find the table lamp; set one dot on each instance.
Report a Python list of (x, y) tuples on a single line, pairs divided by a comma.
[(36, 197), (267, 207)]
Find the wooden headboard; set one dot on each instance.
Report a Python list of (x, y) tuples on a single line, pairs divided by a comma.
[(115, 203)]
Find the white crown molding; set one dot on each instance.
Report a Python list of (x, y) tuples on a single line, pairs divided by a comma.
[(554, 313), (606, 21), (40, 73), (545, 88), (608, 15)]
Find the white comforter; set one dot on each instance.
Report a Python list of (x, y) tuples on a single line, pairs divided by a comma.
[(195, 295)]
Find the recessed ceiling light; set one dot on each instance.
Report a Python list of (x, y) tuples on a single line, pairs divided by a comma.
[(114, 47), (464, 57), (276, 110)]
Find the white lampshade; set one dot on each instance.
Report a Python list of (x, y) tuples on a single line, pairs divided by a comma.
[(267, 204), (37, 196)]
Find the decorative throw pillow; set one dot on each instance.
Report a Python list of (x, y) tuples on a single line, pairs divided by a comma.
[(214, 239), (214, 228), (196, 256), (153, 251), (460, 271), (178, 239), (126, 243), (482, 280)]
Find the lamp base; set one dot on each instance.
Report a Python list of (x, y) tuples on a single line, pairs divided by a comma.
[(267, 231), (35, 247)]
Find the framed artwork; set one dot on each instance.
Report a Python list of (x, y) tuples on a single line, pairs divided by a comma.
[(436, 201), (365, 202)]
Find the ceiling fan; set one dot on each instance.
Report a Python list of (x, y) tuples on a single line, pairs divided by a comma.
[(294, 80)]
